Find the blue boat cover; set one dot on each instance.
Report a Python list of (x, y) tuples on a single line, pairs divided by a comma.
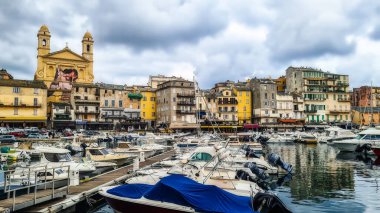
[(184, 191), (134, 191)]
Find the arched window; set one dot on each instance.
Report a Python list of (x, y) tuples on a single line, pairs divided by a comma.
[(43, 42), (88, 48)]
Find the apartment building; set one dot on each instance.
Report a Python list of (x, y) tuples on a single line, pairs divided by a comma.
[(326, 95), (366, 96), (22, 102), (264, 104), (176, 107)]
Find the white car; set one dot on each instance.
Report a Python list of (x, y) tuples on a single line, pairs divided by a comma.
[(4, 130)]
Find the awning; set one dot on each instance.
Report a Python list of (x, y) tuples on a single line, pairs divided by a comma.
[(251, 126), (288, 120)]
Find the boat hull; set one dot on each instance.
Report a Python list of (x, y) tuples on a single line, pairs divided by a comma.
[(376, 151), (122, 206)]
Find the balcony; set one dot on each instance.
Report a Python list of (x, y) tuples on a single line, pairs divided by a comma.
[(87, 111), (339, 111), (310, 111), (227, 111), (186, 95), (189, 112), (20, 105), (234, 102), (62, 118), (83, 101), (186, 103), (344, 100)]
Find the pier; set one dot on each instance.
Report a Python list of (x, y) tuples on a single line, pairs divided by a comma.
[(61, 199)]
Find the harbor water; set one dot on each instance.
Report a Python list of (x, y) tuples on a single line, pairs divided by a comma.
[(324, 180)]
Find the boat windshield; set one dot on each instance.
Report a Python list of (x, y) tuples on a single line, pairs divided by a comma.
[(200, 156), (370, 137), (58, 157)]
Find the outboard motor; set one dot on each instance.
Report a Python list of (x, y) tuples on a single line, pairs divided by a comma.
[(275, 160), (268, 203), (260, 173), (251, 153), (84, 146), (363, 148)]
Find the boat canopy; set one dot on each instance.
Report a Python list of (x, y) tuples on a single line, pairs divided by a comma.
[(181, 190)]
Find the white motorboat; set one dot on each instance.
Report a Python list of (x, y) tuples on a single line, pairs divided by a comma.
[(369, 136), (283, 137), (333, 134)]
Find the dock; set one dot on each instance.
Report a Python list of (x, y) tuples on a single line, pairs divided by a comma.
[(45, 201)]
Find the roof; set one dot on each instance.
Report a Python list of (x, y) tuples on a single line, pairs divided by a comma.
[(87, 35), (66, 49), (23, 83), (88, 85), (110, 86), (44, 28), (4, 72)]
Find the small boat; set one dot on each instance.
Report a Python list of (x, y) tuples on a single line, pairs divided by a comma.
[(101, 154), (336, 134)]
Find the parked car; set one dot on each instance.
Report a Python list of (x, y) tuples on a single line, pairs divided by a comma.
[(44, 136), (3, 130), (7, 139), (19, 134), (34, 135)]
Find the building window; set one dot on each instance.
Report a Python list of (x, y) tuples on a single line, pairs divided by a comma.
[(152, 106), (144, 114), (152, 99), (35, 101), (120, 103), (106, 103), (113, 103), (16, 101), (16, 111), (144, 99), (16, 89), (240, 93), (247, 101), (44, 42), (35, 112), (36, 91), (153, 114), (85, 90), (88, 48), (173, 99), (76, 89), (143, 106), (266, 96), (272, 95)]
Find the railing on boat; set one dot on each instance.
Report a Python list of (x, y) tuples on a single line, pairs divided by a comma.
[(33, 172)]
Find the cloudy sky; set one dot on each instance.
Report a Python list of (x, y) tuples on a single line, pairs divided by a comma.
[(213, 40)]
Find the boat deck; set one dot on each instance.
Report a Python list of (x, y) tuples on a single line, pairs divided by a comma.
[(26, 202)]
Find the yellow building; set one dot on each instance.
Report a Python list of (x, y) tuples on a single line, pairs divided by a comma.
[(22, 103), (244, 106), (61, 68), (148, 105), (365, 116), (281, 83)]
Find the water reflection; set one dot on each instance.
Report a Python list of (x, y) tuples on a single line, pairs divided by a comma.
[(325, 180), (316, 174)]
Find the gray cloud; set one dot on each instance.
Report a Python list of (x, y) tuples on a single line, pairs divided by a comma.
[(219, 40)]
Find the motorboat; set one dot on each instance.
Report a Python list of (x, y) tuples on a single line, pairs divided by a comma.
[(333, 134), (283, 137), (307, 138), (55, 157), (126, 148), (368, 137), (101, 154), (177, 193)]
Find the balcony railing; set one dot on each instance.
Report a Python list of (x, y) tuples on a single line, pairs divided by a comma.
[(339, 111), (228, 102), (186, 94), (185, 111), (230, 111), (186, 103), (310, 111), (87, 111), (344, 100), (20, 104), (86, 101)]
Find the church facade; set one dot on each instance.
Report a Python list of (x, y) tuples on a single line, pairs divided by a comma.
[(59, 70)]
